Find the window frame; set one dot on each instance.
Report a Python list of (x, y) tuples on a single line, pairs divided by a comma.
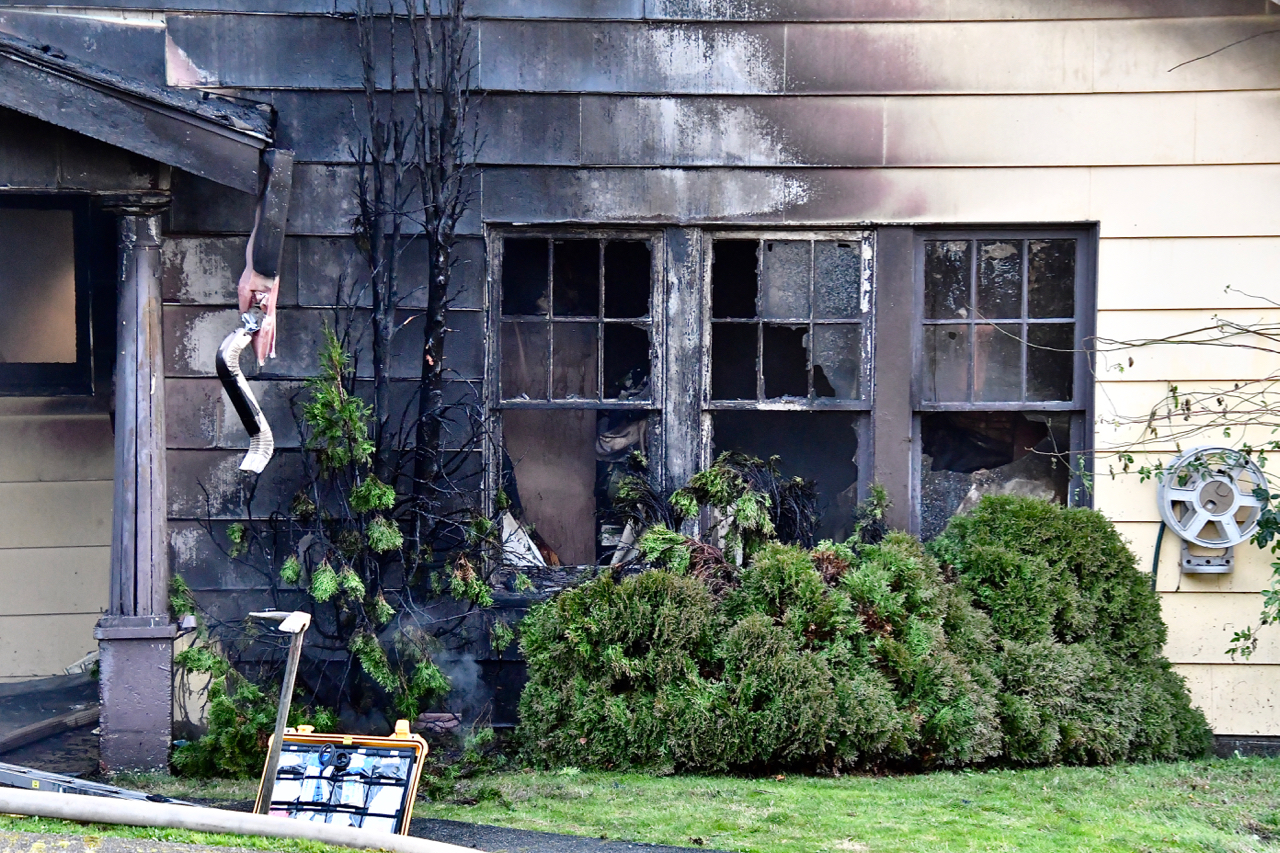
[(861, 409), (494, 446), (1080, 409), (58, 379), (494, 317), (865, 236)]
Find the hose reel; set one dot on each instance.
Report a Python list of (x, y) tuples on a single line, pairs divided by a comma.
[(1207, 497)]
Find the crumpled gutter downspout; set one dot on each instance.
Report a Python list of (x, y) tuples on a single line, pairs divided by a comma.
[(84, 809), (258, 289)]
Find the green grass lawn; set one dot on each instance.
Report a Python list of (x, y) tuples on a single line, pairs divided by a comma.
[(89, 831), (1231, 805)]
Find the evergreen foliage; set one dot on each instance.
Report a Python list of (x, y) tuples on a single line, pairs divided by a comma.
[(865, 654), (788, 669), (1080, 635)]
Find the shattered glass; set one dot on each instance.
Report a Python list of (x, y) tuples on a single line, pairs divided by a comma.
[(837, 280), (997, 374), (818, 446), (784, 280), (837, 361), (999, 279), (967, 455), (1051, 275), (1050, 361), (946, 279), (946, 363), (626, 362)]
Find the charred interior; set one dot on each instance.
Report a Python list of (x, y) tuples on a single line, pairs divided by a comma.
[(966, 455), (576, 345), (818, 446)]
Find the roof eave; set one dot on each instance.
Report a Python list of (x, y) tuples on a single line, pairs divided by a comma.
[(221, 140)]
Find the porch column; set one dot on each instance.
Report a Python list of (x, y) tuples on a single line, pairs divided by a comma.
[(135, 638)]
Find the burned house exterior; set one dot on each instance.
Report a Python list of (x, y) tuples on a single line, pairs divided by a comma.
[(875, 238)]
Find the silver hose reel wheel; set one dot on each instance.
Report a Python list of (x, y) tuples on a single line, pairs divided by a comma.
[(1207, 496)]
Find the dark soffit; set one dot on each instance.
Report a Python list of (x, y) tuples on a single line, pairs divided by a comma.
[(206, 135)]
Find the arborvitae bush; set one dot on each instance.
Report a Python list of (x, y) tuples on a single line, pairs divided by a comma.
[(864, 655), (816, 659), (1080, 635)]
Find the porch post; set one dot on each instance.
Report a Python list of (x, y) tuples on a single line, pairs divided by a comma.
[(135, 638)]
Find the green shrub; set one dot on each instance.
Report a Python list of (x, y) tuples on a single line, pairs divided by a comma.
[(817, 659), (1084, 680)]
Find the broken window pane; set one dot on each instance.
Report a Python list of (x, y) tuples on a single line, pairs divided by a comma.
[(524, 361), (784, 281), (837, 280), (1050, 361), (38, 285), (946, 363), (574, 361), (786, 361), (576, 287), (818, 446), (734, 280), (733, 361), (965, 456), (1051, 278), (626, 362), (837, 361), (999, 279), (997, 372), (946, 279), (524, 276), (562, 470), (627, 279)]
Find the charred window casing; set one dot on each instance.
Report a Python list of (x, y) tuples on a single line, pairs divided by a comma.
[(789, 342), (1002, 376), (576, 365), (787, 319)]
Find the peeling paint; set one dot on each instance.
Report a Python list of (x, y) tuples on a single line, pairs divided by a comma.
[(663, 131), (201, 337), (696, 59), (643, 195), (728, 10), (201, 268), (180, 70)]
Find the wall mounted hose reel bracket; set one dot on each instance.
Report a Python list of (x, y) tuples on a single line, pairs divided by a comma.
[(1209, 497)]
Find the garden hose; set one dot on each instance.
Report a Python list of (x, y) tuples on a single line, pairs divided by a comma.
[(1155, 558)]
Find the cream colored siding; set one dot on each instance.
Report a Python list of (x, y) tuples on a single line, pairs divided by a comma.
[(1006, 122), (55, 534), (1239, 700)]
